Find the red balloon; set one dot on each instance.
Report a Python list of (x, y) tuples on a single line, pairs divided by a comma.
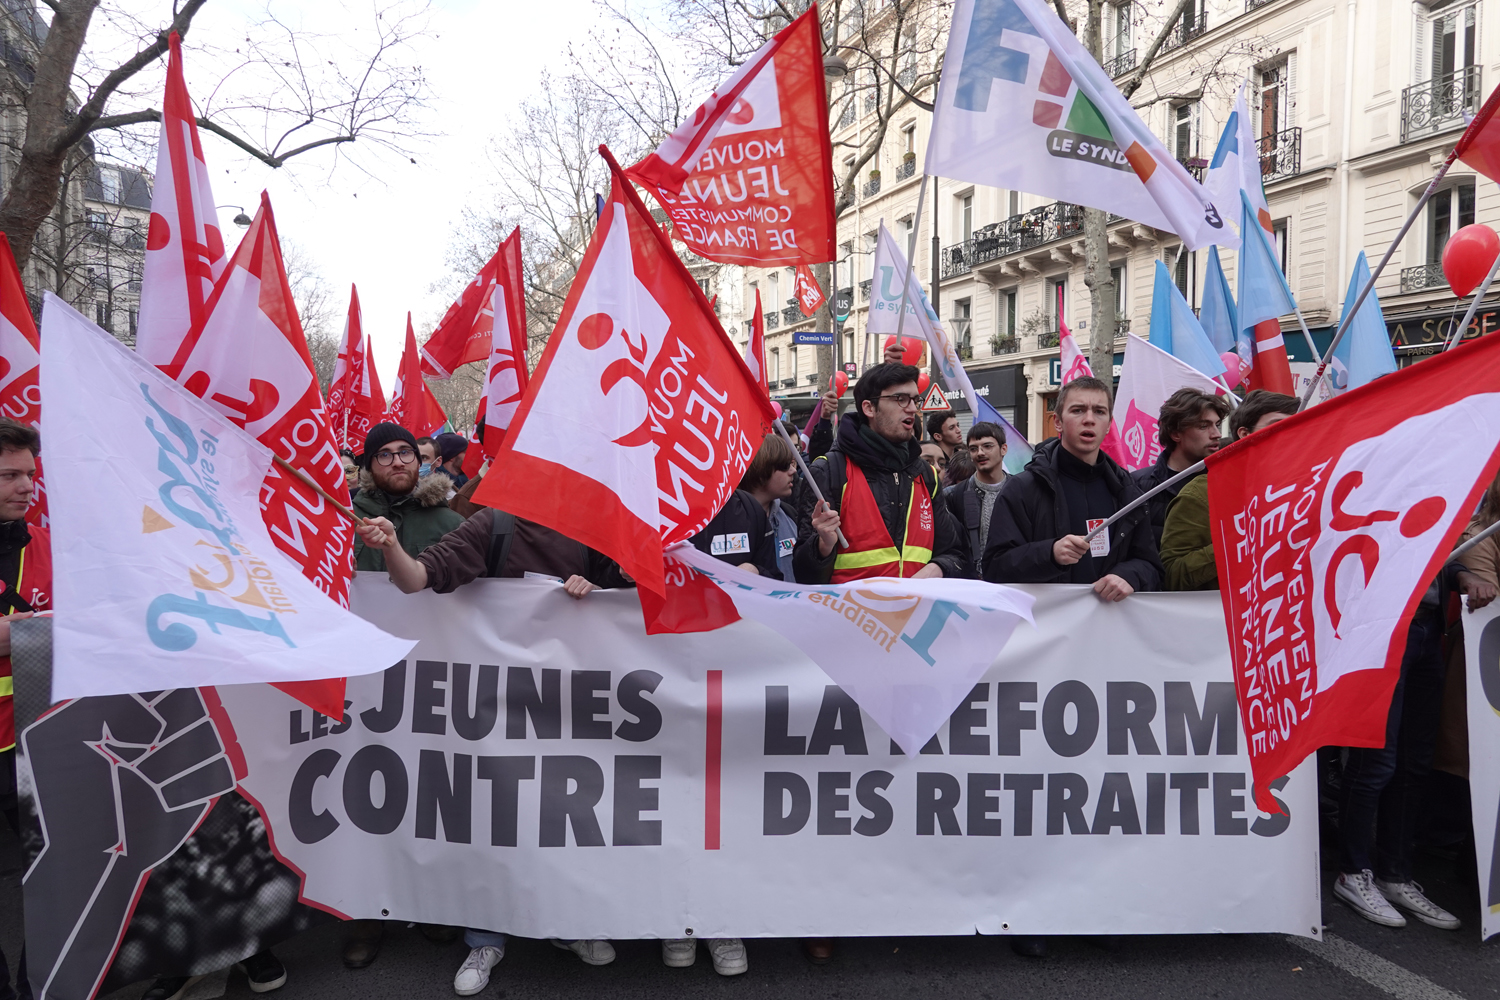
[(839, 383), (911, 348), (1468, 257), (923, 381)]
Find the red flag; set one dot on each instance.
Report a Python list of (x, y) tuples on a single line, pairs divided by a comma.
[(506, 378), (184, 248), (641, 417), (1328, 527), (748, 179), (1271, 369), (249, 358), (413, 405), (465, 332), (355, 402), (755, 351), (808, 294), (20, 347), (1479, 146), (474, 455)]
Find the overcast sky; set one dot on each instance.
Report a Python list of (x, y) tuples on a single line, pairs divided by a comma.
[(389, 233)]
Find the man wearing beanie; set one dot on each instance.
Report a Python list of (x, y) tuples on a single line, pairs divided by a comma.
[(451, 448), (390, 487)]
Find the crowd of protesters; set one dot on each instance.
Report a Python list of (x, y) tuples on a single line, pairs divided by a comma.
[(887, 496)]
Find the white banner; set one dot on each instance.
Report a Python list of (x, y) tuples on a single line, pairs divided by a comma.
[(1482, 652), (542, 767)]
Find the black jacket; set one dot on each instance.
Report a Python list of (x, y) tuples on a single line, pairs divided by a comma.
[(892, 492), (741, 515), (966, 505), (1031, 514), (1155, 475)]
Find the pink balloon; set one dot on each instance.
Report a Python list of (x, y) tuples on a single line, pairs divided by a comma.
[(776, 409), (1468, 257), (1232, 373)]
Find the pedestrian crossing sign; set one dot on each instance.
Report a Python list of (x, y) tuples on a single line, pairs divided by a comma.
[(935, 399)]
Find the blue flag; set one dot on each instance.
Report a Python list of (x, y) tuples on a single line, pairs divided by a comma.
[(1365, 352), (1263, 290), (1217, 314), (1176, 330)]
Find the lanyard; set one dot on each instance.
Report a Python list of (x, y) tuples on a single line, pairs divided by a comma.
[(16, 601)]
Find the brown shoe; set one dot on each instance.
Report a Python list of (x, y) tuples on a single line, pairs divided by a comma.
[(440, 934), (362, 939), (819, 951)]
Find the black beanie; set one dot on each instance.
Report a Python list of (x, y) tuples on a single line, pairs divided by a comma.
[(381, 435)]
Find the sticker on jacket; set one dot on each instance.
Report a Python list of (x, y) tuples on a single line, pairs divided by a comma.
[(1099, 544), (724, 545), (784, 547)]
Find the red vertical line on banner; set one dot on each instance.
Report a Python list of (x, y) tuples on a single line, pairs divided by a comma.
[(713, 755)]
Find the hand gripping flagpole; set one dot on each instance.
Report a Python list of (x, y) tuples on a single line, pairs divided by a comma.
[(806, 474), (1456, 337), (1187, 473), (1466, 546), (1475, 127), (320, 491)]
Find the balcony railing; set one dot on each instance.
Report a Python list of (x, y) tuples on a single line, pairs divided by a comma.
[(872, 187), (1252, 4), (1439, 104), (1048, 338), (906, 168), (1189, 26), (771, 319), (1280, 155), (1120, 64), (1059, 220), (790, 315), (907, 77), (846, 117), (1423, 276), (1005, 345)]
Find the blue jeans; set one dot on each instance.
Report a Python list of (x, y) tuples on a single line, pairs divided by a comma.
[(1381, 798), (479, 939)]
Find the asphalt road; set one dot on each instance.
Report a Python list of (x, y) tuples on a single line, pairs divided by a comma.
[(1358, 960)]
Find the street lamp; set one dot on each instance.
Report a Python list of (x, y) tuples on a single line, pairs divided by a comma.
[(834, 66), (242, 220)]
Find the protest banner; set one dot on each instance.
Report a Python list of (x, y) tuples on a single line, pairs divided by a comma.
[(549, 770), (1482, 671)]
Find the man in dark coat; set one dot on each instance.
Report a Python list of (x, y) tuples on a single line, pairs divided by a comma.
[(1189, 432)]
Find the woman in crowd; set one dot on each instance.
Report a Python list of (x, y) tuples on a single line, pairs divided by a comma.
[(769, 479)]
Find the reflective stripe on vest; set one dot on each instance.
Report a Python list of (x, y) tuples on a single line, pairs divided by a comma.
[(871, 551)]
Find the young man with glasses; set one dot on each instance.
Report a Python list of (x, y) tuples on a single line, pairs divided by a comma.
[(1189, 432), (880, 492), (392, 488)]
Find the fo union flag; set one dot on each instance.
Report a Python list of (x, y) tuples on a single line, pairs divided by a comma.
[(641, 416), (748, 179), (1328, 527)]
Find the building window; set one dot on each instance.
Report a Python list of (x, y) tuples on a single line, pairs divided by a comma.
[(109, 185), (1185, 274), (101, 316), (1008, 314), (1278, 236), (1014, 203), (905, 225), (962, 322), (1119, 20), (1117, 272), (133, 315), (1057, 303), (1448, 211), (1185, 130), (909, 141), (773, 290), (775, 364), (966, 215), (1450, 42), (795, 358), (1274, 106)]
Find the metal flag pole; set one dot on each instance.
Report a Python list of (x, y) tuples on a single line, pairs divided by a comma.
[(1187, 473), (1466, 546), (911, 260), (807, 474), (1457, 336)]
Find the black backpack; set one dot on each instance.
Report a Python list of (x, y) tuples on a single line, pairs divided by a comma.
[(502, 533)]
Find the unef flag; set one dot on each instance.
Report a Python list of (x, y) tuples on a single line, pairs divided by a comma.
[(748, 179), (187, 588), (1327, 529), (1023, 105), (184, 248), (413, 405), (355, 401), (20, 381), (1236, 167), (641, 417)]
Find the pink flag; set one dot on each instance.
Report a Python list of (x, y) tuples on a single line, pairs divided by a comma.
[(1076, 365), (1147, 378), (20, 387), (413, 405), (249, 359), (184, 248)]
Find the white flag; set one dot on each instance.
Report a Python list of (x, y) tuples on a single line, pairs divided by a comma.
[(1023, 105), (165, 575), (925, 643), (1148, 377)]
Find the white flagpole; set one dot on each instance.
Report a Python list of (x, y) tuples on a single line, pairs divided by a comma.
[(911, 259)]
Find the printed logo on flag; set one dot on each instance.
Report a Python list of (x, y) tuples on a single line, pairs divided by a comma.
[(1139, 432)]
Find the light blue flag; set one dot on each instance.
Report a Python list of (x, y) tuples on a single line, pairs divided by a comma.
[(1218, 316), (1177, 331), (1365, 352), (1263, 290)]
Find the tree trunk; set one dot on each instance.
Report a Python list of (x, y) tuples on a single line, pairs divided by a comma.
[(38, 177), (1096, 272), (823, 273)]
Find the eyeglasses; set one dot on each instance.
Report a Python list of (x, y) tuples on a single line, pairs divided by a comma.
[(902, 399), (406, 455)]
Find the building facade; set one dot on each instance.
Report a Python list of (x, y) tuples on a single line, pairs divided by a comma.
[(1355, 104)]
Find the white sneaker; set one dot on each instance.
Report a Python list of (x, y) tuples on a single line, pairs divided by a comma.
[(474, 974), (679, 953), (1360, 893), (729, 956), (1408, 896), (595, 952)]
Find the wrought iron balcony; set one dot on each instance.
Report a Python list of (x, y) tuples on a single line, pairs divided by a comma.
[(1059, 220), (790, 315), (864, 289), (907, 77), (906, 168), (1440, 104), (1005, 345), (772, 318), (1280, 155), (1048, 338), (846, 117), (1120, 64), (1189, 26), (1252, 4), (1421, 277), (872, 187)]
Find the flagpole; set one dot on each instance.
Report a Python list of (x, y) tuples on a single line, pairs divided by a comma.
[(911, 259), (1466, 546), (1187, 473), (1457, 336), (806, 473), (355, 518), (1359, 300)]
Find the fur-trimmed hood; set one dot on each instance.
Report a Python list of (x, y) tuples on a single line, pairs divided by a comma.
[(431, 490)]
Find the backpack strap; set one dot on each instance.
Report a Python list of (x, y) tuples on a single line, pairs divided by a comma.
[(502, 533)]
